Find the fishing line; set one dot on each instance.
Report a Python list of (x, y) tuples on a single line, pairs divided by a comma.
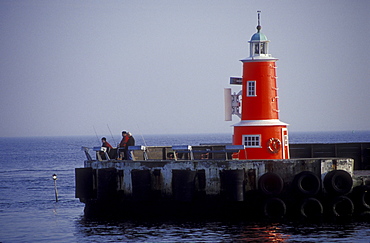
[(111, 134), (96, 135), (141, 135), (147, 149)]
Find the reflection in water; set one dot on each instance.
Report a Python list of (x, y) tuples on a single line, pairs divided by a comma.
[(268, 233), (170, 231), (177, 231)]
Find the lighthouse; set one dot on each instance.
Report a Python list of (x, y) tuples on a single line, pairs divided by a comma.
[(257, 104)]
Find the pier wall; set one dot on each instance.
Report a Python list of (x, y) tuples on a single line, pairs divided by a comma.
[(205, 176)]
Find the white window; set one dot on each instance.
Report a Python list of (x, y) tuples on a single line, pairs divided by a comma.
[(257, 48), (251, 88), (260, 48), (263, 48), (252, 141)]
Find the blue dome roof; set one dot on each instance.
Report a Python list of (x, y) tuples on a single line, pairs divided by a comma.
[(258, 37)]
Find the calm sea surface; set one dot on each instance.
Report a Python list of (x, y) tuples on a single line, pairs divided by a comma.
[(29, 212)]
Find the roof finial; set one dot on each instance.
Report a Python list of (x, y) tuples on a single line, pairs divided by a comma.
[(259, 24)]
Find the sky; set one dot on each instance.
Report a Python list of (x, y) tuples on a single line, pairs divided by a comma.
[(160, 67)]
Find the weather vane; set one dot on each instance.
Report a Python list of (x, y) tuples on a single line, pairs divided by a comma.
[(259, 24)]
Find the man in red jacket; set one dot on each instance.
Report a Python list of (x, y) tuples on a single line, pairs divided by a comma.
[(130, 142), (122, 146), (106, 145)]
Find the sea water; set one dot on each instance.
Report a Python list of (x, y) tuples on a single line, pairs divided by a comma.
[(29, 211)]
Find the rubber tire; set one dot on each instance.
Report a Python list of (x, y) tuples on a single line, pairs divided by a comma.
[(274, 208), (306, 183), (311, 208), (270, 184), (361, 197), (338, 182), (342, 206)]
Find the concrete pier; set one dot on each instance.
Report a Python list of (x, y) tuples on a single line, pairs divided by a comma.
[(246, 189), (163, 173)]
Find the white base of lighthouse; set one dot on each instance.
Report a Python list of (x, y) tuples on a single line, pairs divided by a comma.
[(263, 139)]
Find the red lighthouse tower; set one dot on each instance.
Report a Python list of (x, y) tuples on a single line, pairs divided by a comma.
[(260, 130)]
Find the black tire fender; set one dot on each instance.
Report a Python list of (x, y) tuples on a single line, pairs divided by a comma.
[(338, 182), (306, 183), (274, 208), (311, 208), (342, 206), (361, 197), (270, 184)]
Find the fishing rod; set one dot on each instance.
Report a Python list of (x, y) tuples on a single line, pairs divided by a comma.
[(96, 134), (111, 134), (141, 135), (147, 149)]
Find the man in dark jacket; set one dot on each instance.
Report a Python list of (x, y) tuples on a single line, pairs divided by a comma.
[(130, 142)]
